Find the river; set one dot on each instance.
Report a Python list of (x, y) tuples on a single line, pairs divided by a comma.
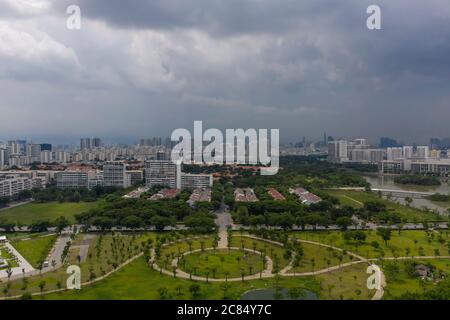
[(387, 182)]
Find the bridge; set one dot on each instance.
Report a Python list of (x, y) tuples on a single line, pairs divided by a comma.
[(403, 193), (393, 192)]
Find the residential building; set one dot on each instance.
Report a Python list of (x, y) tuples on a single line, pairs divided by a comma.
[(72, 179), (163, 173), (114, 174), (12, 187), (196, 181)]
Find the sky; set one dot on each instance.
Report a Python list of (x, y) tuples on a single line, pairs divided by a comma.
[(144, 68)]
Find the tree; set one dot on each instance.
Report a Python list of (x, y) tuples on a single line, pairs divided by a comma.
[(194, 289), (61, 223), (41, 286), (344, 222), (132, 222), (385, 234)]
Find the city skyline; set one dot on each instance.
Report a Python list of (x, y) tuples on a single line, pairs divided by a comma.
[(155, 66)]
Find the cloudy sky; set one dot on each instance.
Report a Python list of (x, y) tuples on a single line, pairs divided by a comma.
[(143, 68)]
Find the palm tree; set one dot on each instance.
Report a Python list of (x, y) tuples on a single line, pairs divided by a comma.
[(42, 286)]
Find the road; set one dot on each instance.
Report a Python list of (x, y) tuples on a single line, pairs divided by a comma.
[(56, 252), (223, 221)]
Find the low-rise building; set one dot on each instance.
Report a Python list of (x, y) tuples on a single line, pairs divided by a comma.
[(196, 181)]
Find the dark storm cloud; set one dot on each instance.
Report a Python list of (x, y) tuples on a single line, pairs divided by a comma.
[(301, 66)]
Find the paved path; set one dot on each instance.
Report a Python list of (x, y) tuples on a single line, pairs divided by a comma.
[(17, 204), (266, 273), (24, 265), (56, 253), (223, 221)]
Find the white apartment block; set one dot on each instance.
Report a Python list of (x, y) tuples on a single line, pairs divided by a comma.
[(72, 179), (337, 151), (114, 174), (163, 173), (11, 187), (196, 181)]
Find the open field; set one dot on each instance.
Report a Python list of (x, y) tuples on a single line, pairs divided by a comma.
[(105, 253), (275, 252), (356, 199), (317, 258), (403, 283), (27, 213), (222, 263), (346, 283), (35, 248), (407, 243), (139, 281), (170, 251)]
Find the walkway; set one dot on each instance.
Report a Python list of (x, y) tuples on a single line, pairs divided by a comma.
[(24, 267)]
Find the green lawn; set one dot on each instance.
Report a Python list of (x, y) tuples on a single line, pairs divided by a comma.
[(103, 255), (403, 283), (356, 199), (411, 242), (7, 256), (222, 263), (34, 249), (347, 283), (139, 281), (317, 258), (275, 252), (26, 213)]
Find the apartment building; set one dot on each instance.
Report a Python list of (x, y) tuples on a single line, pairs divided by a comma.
[(196, 181), (163, 173), (13, 186), (114, 174)]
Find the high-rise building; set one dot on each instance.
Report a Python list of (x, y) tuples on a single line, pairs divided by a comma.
[(96, 143), (3, 156), (34, 150), (337, 151), (46, 156), (386, 142), (85, 143), (394, 153), (408, 152), (114, 174), (71, 179), (423, 152), (163, 173), (46, 147)]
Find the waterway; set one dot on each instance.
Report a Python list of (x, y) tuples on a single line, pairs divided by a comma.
[(387, 182)]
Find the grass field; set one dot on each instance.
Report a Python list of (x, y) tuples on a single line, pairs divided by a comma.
[(7, 256), (104, 254), (25, 214), (170, 251), (139, 281), (407, 243), (356, 199), (346, 283), (222, 263), (404, 283), (35, 249), (275, 252), (318, 258)]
